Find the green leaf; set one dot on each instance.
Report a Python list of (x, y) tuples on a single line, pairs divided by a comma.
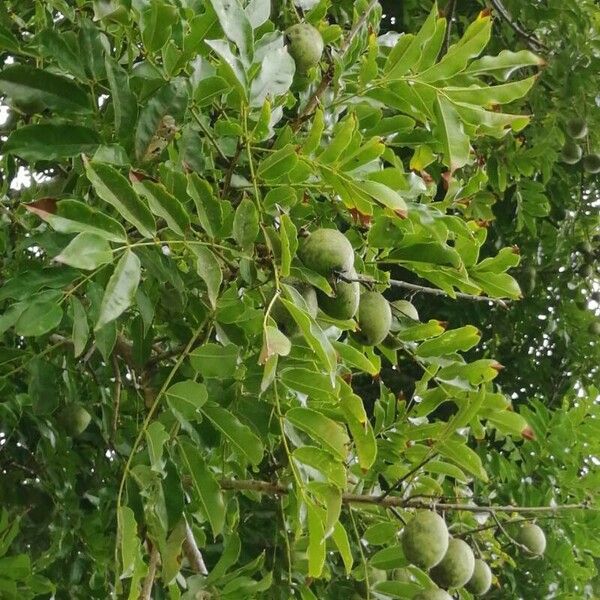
[(162, 203), (464, 457), (316, 541), (73, 216), (385, 196), (86, 251), (502, 66), (391, 557), (274, 343), (236, 26), (47, 141), (210, 212), (156, 22), (120, 290), (360, 427), (210, 89), (186, 398), (25, 84), (81, 328), (340, 539), (490, 96), (209, 269), (289, 243), (246, 223), (129, 543), (455, 141), (278, 164), (461, 339), (316, 385), (7, 40), (205, 486), (274, 78), (124, 102), (239, 436), (397, 589), (113, 188), (258, 12), (39, 318), (323, 462), (330, 434), (156, 437), (213, 360), (17, 567)]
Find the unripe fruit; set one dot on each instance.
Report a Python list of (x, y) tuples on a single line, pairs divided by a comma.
[(591, 163), (433, 594), (571, 153), (577, 128), (457, 566), (594, 328), (374, 319), (345, 302), (425, 539), (326, 251), (284, 320), (532, 537), (481, 581), (305, 45), (75, 419)]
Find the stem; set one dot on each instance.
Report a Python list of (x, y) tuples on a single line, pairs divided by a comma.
[(267, 487), (146, 593), (398, 483), (532, 42), (208, 134), (192, 552), (450, 10)]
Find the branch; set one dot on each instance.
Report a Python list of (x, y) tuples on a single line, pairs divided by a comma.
[(421, 289), (117, 394), (398, 483), (192, 552), (277, 489), (450, 10), (146, 593), (532, 42), (327, 78)]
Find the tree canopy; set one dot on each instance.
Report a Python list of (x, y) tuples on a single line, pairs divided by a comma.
[(291, 291)]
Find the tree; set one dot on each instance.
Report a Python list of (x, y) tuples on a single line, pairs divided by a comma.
[(258, 304)]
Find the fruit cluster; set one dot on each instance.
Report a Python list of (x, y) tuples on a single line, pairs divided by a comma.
[(450, 561), (572, 152)]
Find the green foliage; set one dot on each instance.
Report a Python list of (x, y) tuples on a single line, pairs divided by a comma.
[(190, 408)]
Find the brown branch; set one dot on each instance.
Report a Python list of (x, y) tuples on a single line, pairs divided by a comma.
[(267, 487), (192, 552), (531, 41), (146, 593), (421, 289), (450, 10), (117, 394), (402, 479), (327, 78)]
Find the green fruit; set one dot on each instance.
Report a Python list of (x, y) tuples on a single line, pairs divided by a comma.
[(327, 251), (425, 539), (374, 319), (591, 163), (571, 153), (577, 128), (377, 576), (457, 566), (594, 328), (532, 537), (433, 594), (284, 319), (305, 45), (481, 581), (345, 302), (402, 575), (75, 419)]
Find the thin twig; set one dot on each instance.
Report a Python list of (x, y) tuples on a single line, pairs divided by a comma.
[(208, 134), (532, 42), (192, 552), (450, 10), (146, 593), (278, 489), (421, 289), (402, 479), (510, 538), (116, 394)]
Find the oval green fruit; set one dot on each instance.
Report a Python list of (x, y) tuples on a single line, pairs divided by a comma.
[(327, 251), (571, 153), (305, 45), (75, 419), (374, 319), (433, 594), (425, 539), (532, 537), (591, 163), (481, 581), (344, 304), (284, 319), (577, 128), (594, 328), (457, 566)]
